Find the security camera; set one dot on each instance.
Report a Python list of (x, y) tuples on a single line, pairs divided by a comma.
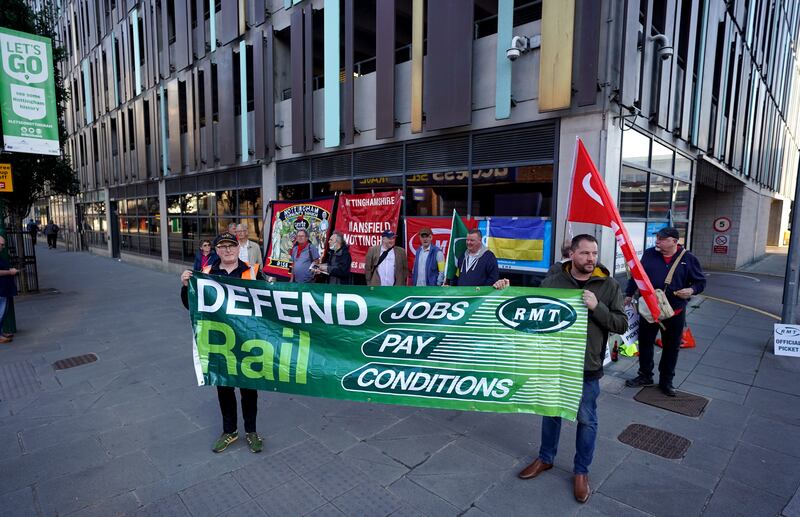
[(665, 50), (665, 53), (519, 45)]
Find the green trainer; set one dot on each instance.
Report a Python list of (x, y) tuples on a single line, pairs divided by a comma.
[(224, 440), (255, 442)]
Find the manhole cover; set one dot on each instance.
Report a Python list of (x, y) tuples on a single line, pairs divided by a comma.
[(18, 380), (71, 362), (684, 403), (655, 441)]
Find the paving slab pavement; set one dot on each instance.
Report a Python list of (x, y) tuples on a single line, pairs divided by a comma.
[(130, 434)]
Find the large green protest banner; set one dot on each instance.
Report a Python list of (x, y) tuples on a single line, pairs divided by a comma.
[(467, 348), (27, 93)]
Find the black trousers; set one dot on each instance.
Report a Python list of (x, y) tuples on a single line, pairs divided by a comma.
[(227, 404), (671, 345), (52, 239)]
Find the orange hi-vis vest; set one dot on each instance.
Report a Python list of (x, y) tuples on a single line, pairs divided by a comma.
[(249, 274)]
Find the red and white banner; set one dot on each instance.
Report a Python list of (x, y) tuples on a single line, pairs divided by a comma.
[(288, 217), (591, 203), (362, 218), (440, 227)]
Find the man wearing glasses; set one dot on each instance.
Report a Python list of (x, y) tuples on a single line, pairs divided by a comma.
[(231, 265)]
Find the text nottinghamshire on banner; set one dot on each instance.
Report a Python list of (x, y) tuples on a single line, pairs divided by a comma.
[(510, 350)]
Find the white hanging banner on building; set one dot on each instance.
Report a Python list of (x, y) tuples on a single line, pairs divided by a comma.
[(28, 94)]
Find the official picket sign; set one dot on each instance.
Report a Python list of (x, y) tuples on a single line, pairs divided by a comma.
[(787, 339), (511, 350)]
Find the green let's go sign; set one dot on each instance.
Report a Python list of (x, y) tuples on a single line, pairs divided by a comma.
[(467, 348)]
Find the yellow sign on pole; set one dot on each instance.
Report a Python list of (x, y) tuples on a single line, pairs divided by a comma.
[(6, 185)]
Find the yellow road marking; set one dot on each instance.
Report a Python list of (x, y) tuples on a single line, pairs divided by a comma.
[(743, 306)]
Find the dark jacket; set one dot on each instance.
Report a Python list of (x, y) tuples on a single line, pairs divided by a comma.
[(8, 283), (688, 274), (215, 270), (485, 272), (607, 317), (198, 259), (339, 263)]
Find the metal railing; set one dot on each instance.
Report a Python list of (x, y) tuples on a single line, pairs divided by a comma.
[(22, 255)]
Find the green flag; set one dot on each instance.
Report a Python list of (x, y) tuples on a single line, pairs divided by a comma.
[(456, 247)]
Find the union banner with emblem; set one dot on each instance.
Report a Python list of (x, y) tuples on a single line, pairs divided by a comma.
[(465, 348)]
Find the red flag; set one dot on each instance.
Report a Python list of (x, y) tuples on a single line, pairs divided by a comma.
[(591, 203)]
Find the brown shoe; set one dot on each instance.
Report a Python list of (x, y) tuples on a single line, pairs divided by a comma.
[(582, 488), (4, 339), (534, 469), (8, 335)]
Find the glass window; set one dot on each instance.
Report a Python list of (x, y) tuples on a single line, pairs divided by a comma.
[(206, 203), (680, 200), (513, 191), (250, 201), (437, 193), (662, 158), (226, 202), (153, 207), (331, 188), (683, 167), (633, 193), (660, 196), (174, 204), (377, 184), (294, 192), (635, 148)]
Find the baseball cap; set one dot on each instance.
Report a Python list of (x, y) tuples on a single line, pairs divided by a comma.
[(388, 234), (425, 231), (669, 231), (225, 237)]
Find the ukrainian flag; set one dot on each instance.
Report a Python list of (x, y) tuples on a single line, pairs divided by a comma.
[(516, 238)]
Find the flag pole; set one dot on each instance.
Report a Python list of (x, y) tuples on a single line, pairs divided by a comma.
[(568, 225)]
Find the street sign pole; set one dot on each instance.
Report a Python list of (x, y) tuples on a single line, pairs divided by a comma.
[(792, 276)]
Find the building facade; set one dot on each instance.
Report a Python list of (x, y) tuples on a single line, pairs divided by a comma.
[(186, 115)]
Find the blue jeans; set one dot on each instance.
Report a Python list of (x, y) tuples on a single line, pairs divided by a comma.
[(585, 436), (3, 310)]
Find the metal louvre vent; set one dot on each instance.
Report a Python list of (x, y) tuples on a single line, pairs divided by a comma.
[(206, 183), (250, 177), (331, 167), (447, 154), (535, 144), (293, 172), (388, 160), (172, 186)]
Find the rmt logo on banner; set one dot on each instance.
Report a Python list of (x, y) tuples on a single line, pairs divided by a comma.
[(24, 59)]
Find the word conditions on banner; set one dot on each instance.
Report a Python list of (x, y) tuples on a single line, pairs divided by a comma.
[(514, 350)]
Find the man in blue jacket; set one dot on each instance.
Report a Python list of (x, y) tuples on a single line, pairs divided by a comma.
[(687, 280), (478, 265), (429, 262)]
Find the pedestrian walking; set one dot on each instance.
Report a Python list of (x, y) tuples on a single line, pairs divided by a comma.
[(33, 231), (230, 265), (8, 290), (429, 262), (672, 268), (385, 263), (303, 255), (603, 297), (337, 262), (51, 232)]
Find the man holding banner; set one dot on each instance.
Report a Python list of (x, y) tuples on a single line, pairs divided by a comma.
[(230, 265), (603, 298)]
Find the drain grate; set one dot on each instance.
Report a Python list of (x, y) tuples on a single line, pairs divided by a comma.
[(684, 403), (72, 362), (655, 441), (18, 380)]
